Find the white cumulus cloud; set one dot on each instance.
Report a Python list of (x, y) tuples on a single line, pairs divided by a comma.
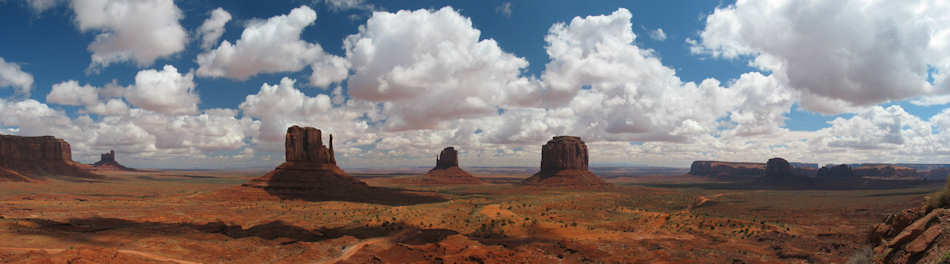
[(213, 27), (12, 76), (131, 30), (840, 54), (271, 46), (165, 91)]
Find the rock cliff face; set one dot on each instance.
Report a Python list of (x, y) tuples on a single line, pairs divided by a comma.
[(449, 157), (34, 157), (306, 145), (107, 162), (310, 169), (447, 171), (564, 163)]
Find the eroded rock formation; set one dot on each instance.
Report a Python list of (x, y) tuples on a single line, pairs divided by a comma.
[(917, 235), (310, 167), (24, 158), (310, 173), (107, 162), (447, 171), (564, 162)]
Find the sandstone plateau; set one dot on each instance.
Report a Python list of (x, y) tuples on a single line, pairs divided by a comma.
[(28, 158), (447, 171), (107, 162), (779, 171), (564, 162)]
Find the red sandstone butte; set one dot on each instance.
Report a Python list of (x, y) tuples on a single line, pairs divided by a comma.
[(29, 158), (564, 163), (107, 162), (447, 171), (310, 168)]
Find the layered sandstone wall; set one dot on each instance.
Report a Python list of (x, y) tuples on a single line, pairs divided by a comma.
[(306, 145), (449, 157), (16, 151), (564, 153), (564, 162)]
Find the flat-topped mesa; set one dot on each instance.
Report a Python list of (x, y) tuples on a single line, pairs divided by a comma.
[(306, 145), (449, 157), (14, 150), (564, 162), (38, 156)]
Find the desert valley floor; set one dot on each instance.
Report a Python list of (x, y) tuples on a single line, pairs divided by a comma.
[(194, 217)]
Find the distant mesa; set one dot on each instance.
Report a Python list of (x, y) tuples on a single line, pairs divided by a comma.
[(311, 173), (885, 171), (780, 172), (447, 171), (564, 162), (836, 172), (31, 158), (739, 170), (107, 162)]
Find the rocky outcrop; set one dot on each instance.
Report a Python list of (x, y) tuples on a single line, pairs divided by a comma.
[(564, 162), (917, 235), (885, 171), (447, 171), (107, 162), (38, 157), (838, 172)]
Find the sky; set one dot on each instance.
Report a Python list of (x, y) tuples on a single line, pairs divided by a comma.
[(215, 84)]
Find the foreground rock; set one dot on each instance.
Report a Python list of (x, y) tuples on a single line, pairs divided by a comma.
[(311, 173), (917, 235), (107, 162), (447, 171), (564, 162), (29, 158)]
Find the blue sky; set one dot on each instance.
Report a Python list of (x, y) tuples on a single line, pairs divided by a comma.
[(781, 94)]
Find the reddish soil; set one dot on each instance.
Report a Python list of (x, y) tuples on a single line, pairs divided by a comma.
[(204, 217)]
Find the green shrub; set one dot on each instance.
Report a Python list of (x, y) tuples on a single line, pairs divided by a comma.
[(941, 199)]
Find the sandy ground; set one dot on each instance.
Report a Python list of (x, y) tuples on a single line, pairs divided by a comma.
[(180, 217)]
